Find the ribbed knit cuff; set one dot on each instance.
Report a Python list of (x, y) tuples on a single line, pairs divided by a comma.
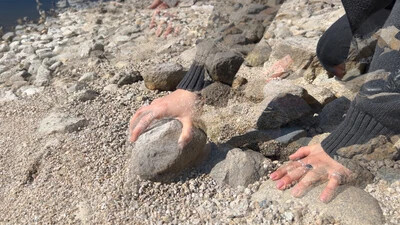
[(195, 79), (357, 128)]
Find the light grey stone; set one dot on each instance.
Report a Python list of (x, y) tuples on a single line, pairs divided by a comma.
[(42, 77), (126, 78), (111, 88), (319, 96), (8, 36), (88, 77), (156, 155), (76, 87), (34, 67), (61, 123), (291, 134), (276, 87), (4, 47), (239, 168), (86, 95), (55, 65), (350, 206), (7, 95), (238, 208), (30, 90)]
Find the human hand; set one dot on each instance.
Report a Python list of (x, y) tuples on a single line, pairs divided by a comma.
[(180, 104), (308, 166), (165, 24)]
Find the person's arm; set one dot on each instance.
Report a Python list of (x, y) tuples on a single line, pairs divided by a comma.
[(182, 103), (195, 79), (375, 111), (358, 11)]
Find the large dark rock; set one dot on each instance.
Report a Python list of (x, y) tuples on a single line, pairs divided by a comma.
[(333, 114), (224, 65), (254, 33), (236, 39), (280, 110), (164, 77), (156, 155)]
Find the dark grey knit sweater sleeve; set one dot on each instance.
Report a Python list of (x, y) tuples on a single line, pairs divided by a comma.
[(358, 11), (198, 77), (209, 65), (376, 109)]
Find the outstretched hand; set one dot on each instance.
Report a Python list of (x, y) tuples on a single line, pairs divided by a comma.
[(180, 105), (308, 166)]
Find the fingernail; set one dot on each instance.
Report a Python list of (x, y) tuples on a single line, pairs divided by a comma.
[(272, 176), (323, 199), (280, 184)]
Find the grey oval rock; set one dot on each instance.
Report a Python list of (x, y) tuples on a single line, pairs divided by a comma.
[(351, 205), (156, 155)]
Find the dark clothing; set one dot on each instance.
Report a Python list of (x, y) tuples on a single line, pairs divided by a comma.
[(194, 79), (376, 109), (334, 45)]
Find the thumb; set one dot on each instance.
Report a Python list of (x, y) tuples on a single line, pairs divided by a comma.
[(186, 135)]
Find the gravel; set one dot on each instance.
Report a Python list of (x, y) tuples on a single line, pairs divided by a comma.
[(80, 176)]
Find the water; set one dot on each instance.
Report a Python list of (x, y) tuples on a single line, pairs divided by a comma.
[(12, 10)]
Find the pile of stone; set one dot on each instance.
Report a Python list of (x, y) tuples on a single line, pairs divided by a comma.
[(100, 64)]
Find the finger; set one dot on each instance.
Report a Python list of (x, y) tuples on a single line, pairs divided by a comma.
[(138, 114), (160, 29), (301, 153), (186, 135), (141, 126), (283, 170), (291, 177), (153, 18), (329, 191), (305, 183), (169, 30)]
